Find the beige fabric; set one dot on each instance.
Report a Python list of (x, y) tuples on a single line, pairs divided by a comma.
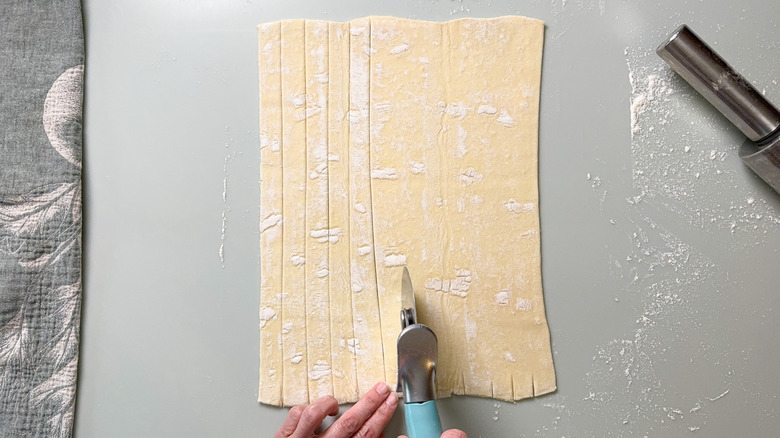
[(388, 143)]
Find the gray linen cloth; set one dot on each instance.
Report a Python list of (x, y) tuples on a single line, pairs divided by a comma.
[(41, 95)]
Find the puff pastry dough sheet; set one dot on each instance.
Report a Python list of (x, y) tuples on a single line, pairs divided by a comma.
[(386, 143)]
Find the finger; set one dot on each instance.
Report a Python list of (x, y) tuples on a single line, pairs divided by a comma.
[(288, 427), (356, 416), (379, 419), (454, 433), (313, 414)]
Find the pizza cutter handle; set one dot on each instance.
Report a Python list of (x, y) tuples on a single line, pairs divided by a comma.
[(422, 420)]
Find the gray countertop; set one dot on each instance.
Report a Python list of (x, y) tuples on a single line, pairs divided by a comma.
[(659, 248)]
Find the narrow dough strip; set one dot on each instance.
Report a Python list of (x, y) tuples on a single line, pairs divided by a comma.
[(343, 342), (271, 223), (294, 331), (368, 330), (318, 230), (455, 273)]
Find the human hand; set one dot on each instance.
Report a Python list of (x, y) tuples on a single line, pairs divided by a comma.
[(366, 419), (452, 433)]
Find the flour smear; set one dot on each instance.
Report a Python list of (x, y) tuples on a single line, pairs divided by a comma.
[(683, 151), (685, 171)]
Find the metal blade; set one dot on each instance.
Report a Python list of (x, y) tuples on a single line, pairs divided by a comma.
[(408, 308)]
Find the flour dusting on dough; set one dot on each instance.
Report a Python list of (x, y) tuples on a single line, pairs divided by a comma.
[(299, 100), (505, 119), (320, 370), (470, 176), (271, 221), (523, 304), (399, 49), (385, 173), (266, 314), (516, 207), (297, 260), (456, 109), (457, 286), (486, 109), (364, 249), (502, 298), (331, 235), (462, 134), (395, 260), (417, 168)]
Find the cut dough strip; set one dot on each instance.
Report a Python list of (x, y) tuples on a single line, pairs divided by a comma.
[(271, 196), (293, 334), (342, 340), (368, 330), (319, 234)]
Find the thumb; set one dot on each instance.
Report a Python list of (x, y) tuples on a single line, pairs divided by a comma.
[(454, 433)]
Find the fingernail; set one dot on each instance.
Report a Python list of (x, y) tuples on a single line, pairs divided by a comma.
[(391, 400), (382, 388)]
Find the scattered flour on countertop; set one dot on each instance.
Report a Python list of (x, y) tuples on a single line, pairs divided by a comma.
[(225, 206), (684, 164), (683, 150)]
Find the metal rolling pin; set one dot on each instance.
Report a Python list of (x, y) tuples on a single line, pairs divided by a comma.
[(733, 96)]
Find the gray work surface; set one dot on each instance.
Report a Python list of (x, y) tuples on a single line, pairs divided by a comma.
[(659, 251)]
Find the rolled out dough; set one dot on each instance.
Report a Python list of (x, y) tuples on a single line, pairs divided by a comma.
[(387, 143)]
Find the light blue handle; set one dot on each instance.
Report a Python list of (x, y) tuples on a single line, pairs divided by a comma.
[(422, 420)]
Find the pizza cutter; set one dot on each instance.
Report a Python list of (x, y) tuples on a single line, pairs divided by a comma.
[(417, 358)]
